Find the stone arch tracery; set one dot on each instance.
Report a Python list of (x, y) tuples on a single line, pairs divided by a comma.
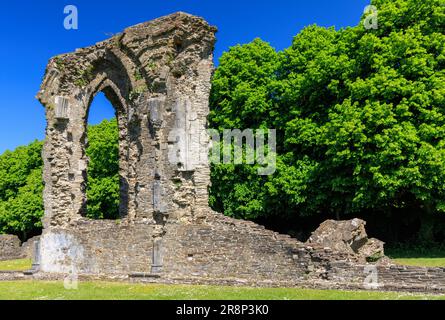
[(147, 73)]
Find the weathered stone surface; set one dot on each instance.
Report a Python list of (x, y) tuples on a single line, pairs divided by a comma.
[(372, 250), (344, 236), (28, 247), (10, 247), (349, 237)]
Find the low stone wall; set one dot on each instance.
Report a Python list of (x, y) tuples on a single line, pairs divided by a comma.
[(98, 247), (211, 247), (413, 278), (28, 247), (388, 278), (11, 276), (219, 250), (10, 247), (225, 248)]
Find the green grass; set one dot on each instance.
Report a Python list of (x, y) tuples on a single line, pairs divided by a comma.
[(34, 290), (15, 265), (419, 257), (30, 290), (421, 262)]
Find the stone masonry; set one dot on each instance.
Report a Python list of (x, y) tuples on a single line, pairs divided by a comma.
[(157, 76), (10, 247)]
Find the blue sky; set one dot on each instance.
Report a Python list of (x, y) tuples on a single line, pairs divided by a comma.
[(32, 31)]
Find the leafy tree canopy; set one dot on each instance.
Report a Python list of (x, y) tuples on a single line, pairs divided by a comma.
[(359, 113), (103, 171), (21, 187)]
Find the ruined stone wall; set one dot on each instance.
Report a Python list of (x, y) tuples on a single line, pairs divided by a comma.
[(196, 248), (230, 249), (98, 248), (10, 247), (157, 76), (28, 247), (388, 277), (221, 250)]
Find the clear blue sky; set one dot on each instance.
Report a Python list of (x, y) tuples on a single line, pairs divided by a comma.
[(32, 31)]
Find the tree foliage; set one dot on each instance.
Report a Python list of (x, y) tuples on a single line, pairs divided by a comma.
[(21, 187), (103, 171), (360, 115)]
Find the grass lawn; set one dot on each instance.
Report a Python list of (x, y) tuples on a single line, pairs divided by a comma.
[(421, 262), (15, 265), (31, 290), (419, 258)]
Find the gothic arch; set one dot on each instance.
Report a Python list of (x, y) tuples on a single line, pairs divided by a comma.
[(112, 94), (149, 73)]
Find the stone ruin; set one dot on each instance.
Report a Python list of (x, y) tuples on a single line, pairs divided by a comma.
[(157, 76), (11, 248), (349, 237)]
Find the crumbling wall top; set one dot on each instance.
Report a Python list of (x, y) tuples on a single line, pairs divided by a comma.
[(143, 51)]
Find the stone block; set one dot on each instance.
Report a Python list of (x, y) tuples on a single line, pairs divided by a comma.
[(10, 247)]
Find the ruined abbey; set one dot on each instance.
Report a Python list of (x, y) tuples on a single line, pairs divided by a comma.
[(157, 75)]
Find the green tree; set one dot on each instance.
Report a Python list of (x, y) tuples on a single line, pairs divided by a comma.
[(360, 115), (21, 187), (103, 171), (241, 98)]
